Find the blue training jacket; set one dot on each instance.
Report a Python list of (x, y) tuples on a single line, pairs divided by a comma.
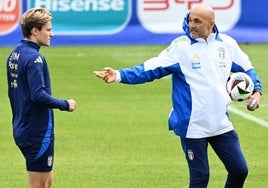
[(29, 91)]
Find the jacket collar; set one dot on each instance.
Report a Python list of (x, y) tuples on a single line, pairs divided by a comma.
[(185, 27), (31, 43)]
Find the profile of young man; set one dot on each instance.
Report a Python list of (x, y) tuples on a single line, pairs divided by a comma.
[(29, 91)]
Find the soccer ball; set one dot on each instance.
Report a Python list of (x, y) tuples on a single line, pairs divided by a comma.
[(239, 86)]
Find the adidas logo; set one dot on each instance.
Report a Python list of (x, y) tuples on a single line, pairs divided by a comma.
[(38, 60)]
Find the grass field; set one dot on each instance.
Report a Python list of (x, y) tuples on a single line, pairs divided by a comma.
[(118, 136)]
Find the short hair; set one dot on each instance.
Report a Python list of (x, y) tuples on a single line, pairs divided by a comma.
[(35, 17)]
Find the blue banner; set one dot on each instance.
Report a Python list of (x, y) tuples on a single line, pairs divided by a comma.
[(132, 22)]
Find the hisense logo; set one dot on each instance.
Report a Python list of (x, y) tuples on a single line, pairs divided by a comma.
[(81, 5), (86, 17)]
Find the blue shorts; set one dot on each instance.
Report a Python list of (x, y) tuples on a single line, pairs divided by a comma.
[(40, 157)]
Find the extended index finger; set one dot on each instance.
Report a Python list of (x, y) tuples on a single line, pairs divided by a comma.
[(100, 74)]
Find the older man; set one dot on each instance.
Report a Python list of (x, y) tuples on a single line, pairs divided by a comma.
[(199, 74)]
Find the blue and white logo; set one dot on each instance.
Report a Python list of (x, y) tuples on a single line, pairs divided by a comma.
[(72, 17)]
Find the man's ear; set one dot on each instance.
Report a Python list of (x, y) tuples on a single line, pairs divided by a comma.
[(212, 23), (34, 31)]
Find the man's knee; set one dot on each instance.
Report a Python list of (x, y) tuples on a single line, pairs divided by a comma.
[(237, 178), (199, 179), (239, 172), (40, 179), (50, 180)]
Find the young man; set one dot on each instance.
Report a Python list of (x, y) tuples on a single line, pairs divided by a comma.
[(199, 75), (29, 91)]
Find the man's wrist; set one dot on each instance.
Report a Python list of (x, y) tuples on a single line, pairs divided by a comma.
[(257, 90), (118, 76)]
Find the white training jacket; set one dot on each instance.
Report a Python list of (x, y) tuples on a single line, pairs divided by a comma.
[(199, 70)]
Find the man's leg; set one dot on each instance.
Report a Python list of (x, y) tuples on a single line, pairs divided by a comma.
[(40, 179), (39, 164), (228, 149), (196, 155)]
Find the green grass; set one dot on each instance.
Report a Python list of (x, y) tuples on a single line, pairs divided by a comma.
[(118, 136)]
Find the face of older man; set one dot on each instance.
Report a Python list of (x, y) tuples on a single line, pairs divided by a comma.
[(201, 22)]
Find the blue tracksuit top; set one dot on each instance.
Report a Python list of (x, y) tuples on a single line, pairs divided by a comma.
[(29, 91), (200, 69)]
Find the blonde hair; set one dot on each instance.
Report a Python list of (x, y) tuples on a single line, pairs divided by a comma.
[(35, 17)]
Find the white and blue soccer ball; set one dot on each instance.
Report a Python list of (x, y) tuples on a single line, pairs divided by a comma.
[(239, 86)]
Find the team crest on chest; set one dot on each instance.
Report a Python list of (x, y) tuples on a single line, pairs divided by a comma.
[(222, 57), (221, 53)]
